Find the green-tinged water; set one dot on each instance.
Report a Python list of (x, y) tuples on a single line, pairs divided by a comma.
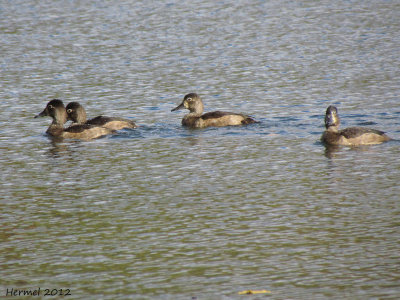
[(165, 212)]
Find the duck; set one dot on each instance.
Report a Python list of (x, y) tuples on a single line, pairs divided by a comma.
[(196, 119), (352, 136), (77, 114), (56, 110)]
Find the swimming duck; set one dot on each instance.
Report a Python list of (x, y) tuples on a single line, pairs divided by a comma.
[(352, 136), (56, 110), (77, 114), (195, 119)]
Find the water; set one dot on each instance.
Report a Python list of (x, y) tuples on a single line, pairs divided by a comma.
[(166, 212)]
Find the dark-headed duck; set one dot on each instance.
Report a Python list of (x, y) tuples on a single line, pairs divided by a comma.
[(196, 118), (352, 136), (77, 114), (56, 110)]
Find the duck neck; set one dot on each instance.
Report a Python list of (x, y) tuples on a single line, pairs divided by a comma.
[(60, 118), (334, 128), (81, 116), (194, 114), (197, 110)]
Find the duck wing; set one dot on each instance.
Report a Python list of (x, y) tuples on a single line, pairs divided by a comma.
[(104, 121), (78, 128), (353, 132), (218, 114), (99, 121)]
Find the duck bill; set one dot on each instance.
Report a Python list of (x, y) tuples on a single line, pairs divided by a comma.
[(180, 106), (42, 114)]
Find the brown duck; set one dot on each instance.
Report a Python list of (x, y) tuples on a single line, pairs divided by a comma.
[(196, 118), (352, 136)]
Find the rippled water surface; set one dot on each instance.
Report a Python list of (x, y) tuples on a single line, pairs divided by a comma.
[(165, 212)]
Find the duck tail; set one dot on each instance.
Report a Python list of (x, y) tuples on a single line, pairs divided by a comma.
[(249, 120)]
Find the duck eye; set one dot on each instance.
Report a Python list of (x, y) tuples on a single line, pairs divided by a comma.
[(51, 106), (69, 110), (189, 99)]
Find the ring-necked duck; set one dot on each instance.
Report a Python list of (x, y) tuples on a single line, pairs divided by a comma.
[(77, 114), (56, 110), (195, 119), (352, 136)]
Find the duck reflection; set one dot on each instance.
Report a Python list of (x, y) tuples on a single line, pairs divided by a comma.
[(59, 148)]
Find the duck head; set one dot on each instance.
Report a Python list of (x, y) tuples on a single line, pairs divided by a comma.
[(192, 102), (56, 110), (332, 117), (76, 113)]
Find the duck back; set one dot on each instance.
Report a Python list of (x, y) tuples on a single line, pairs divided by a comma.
[(222, 118), (113, 123)]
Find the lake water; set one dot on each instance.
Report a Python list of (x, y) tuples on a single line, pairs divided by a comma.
[(165, 212)]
